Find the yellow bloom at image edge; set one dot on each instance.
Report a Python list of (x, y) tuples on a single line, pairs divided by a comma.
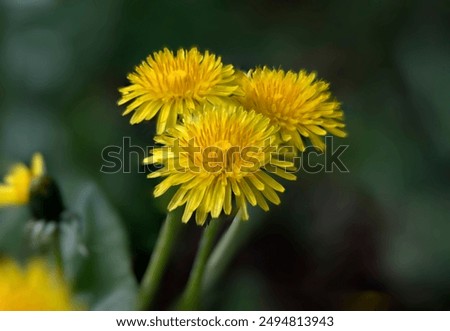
[(15, 189), (33, 287)]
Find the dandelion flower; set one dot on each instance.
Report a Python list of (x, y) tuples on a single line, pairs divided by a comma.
[(298, 103), (216, 153), (35, 287), (171, 84), (16, 187)]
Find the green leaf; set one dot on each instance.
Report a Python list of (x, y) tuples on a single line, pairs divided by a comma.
[(95, 253), (12, 231)]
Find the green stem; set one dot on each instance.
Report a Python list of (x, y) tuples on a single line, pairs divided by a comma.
[(158, 261), (190, 300), (228, 246), (223, 253)]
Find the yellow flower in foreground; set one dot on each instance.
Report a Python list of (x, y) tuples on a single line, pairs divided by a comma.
[(35, 287), (298, 103), (171, 84), (217, 153), (16, 187)]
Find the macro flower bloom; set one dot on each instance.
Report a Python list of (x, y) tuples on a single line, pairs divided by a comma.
[(298, 103), (16, 187), (216, 153), (34, 287), (171, 84)]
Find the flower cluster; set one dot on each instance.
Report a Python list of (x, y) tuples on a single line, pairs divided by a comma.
[(220, 129)]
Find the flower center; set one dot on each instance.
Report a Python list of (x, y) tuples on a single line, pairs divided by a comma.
[(224, 158), (277, 96), (177, 75), (224, 145)]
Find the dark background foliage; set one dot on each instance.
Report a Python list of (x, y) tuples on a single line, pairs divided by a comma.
[(373, 238)]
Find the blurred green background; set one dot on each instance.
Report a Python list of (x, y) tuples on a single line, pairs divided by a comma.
[(373, 238)]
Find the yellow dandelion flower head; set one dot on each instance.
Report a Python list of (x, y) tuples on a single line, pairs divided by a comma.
[(217, 153), (16, 187), (171, 84), (298, 103), (34, 287)]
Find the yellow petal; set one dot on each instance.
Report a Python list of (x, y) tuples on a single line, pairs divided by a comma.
[(37, 165)]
